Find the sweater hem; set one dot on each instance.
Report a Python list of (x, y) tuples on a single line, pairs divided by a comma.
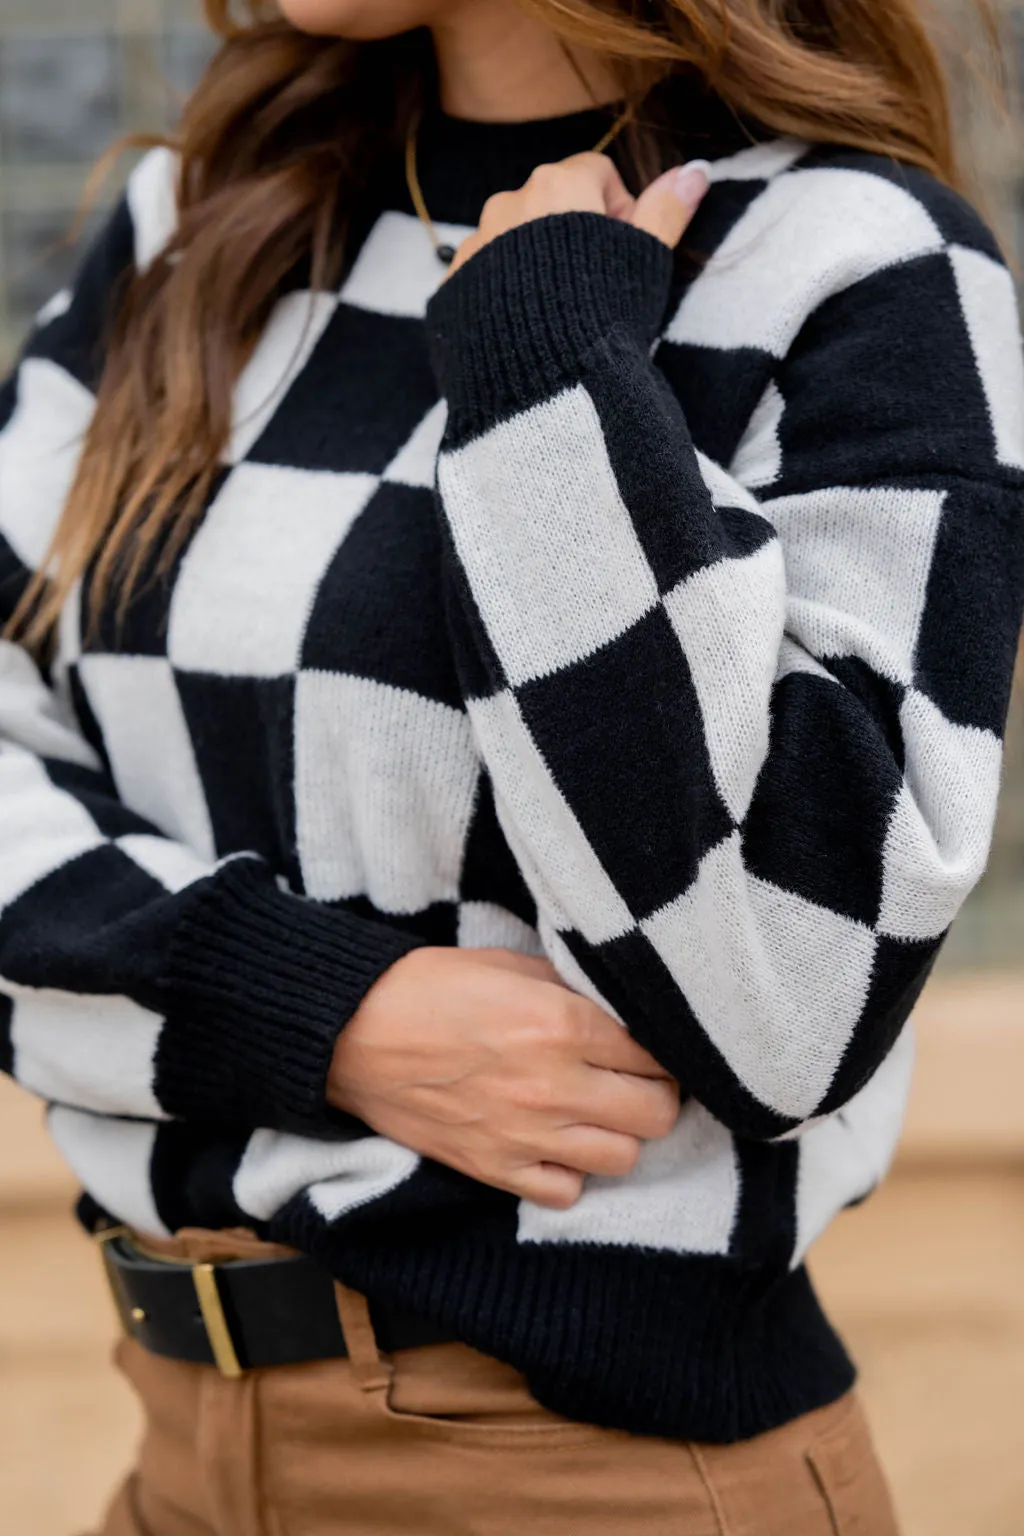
[(648, 1342)]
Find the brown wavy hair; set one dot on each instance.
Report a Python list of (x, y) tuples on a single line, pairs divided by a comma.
[(279, 148)]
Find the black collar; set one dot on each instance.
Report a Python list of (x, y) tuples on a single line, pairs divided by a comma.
[(462, 163)]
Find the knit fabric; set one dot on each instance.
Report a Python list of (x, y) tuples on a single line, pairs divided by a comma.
[(655, 615)]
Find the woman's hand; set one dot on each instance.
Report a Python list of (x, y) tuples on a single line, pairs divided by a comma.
[(483, 1060), (591, 184)]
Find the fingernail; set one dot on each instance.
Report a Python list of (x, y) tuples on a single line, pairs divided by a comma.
[(691, 181)]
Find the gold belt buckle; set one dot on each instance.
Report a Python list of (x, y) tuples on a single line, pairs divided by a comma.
[(204, 1278), (102, 1238)]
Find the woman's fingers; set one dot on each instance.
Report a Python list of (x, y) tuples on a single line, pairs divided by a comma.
[(592, 1149), (587, 183), (619, 203), (580, 1150), (590, 183), (632, 1106), (548, 1184), (603, 1042), (668, 204)]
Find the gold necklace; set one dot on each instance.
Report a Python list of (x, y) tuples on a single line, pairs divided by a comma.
[(446, 253)]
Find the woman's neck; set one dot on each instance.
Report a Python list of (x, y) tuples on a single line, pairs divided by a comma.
[(496, 63)]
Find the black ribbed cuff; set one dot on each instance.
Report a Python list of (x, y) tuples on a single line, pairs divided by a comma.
[(258, 985), (515, 324)]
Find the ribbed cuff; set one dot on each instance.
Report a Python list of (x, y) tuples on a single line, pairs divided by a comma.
[(516, 322), (258, 985)]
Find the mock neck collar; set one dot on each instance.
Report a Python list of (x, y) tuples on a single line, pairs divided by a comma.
[(461, 162)]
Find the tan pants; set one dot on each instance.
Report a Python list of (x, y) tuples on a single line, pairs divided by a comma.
[(445, 1441)]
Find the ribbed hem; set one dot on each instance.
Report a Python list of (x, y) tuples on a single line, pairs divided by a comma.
[(258, 986), (515, 324), (652, 1343)]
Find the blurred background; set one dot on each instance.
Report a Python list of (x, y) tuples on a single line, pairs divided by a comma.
[(926, 1280)]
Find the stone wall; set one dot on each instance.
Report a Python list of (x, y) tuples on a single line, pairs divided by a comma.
[(74, 75)]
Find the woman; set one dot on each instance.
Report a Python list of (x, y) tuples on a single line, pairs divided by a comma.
[(345, 821)]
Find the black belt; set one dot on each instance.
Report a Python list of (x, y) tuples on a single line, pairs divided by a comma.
[(244, 1314)]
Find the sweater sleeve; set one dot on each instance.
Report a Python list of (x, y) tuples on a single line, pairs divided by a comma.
[(746, 746), (137, 977)]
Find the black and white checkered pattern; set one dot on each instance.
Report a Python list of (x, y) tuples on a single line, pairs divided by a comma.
[(692, 675), (791, 648)]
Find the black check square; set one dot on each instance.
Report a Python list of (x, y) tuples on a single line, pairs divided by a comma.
[(364, 391)]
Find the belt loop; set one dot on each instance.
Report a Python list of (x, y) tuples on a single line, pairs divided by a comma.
[(371, 1372)]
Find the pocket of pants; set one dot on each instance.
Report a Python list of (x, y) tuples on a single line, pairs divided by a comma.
[(453, 1392), (844, 1465)]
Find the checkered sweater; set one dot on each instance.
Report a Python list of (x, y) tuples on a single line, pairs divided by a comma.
[(658, 616)]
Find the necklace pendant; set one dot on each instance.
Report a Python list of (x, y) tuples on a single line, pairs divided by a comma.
[(446, 254)]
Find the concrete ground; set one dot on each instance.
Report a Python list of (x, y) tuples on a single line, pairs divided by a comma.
[(926, 1282)]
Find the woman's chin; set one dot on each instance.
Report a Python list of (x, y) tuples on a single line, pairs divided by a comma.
[(362, 21)]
